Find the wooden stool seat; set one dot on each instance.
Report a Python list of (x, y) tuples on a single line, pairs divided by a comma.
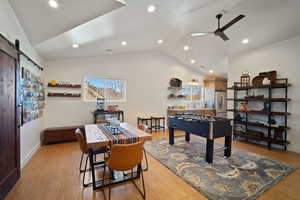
[(144, 118), (157, 117)]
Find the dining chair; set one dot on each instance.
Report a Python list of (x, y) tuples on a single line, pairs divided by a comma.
[(144, 128), (85, 152), (125, 157)]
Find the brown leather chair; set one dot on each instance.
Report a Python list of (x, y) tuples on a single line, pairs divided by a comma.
[(125, 157), (147, 130), (85, 152)]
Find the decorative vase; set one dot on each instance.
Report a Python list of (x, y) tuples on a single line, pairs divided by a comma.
[(266, 81), (53, 82), (244, 107)]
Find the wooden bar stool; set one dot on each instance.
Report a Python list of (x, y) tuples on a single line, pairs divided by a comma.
[(146, 122), (156, 124)]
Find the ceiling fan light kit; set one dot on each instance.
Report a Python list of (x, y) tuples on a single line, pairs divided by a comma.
[(220, 30)]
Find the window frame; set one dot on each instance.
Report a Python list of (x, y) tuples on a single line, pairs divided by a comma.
[(106, 100)]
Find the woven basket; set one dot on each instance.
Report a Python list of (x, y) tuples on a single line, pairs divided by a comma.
[(271, 75), (258, 81), (175, 82)]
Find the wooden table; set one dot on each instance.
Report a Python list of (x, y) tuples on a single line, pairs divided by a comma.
[(119, 113), (96, 138)]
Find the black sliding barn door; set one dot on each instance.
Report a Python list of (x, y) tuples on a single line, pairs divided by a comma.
[(9, 118)]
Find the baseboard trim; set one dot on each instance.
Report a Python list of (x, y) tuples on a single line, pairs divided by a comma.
[(294, 149), (30, 155)]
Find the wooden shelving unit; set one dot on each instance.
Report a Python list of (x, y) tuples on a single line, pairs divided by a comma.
[(280, 85), (51, 94), (252, 135), (257, 124), (175, 91), (270, 138), (260, 112), (262, 99), (64, 94), (75, 86)]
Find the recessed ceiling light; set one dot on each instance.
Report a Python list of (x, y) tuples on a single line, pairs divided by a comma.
[(192, 61), (245, 41), (151, 8), (160, 41), (211, 71), (53, 3), (75, 46), (124, 43), (186, 48)]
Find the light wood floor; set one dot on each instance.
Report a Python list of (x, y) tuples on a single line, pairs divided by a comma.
[(53, 174)]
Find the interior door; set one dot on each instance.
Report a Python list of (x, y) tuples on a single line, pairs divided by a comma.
[(9, 119)]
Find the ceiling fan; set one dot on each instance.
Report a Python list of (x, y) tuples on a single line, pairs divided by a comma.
[(220, 31)]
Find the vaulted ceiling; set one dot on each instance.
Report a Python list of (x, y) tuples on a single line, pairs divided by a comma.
[(99, 27), (41, 22)]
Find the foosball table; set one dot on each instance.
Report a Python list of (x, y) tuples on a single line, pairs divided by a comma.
[(205, 126)]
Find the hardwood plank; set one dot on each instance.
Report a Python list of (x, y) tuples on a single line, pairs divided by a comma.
[(53, 174)]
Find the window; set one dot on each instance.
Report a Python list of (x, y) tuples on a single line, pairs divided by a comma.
[(110, 89), (196, 93), (192, 92)]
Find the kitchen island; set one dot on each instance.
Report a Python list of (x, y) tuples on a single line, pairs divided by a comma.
[(204, 111)]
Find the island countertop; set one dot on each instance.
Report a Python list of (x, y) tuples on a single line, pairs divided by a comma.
[(191, 109), (206, 111)]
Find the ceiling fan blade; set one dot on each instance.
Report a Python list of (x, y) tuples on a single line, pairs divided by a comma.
[(201, 34), (223, 36), (232, 22)]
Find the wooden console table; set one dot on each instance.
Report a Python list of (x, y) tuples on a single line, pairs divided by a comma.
[(97, 113)]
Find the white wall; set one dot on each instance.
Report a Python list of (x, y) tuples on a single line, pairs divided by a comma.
[(284, 57), (10, 28), (147, 75)]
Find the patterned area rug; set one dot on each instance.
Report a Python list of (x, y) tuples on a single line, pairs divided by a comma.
[(243, 176)]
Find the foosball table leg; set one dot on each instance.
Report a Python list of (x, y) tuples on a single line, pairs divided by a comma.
[(171, 136), (209, 150), (187, 136), (228, 141)]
